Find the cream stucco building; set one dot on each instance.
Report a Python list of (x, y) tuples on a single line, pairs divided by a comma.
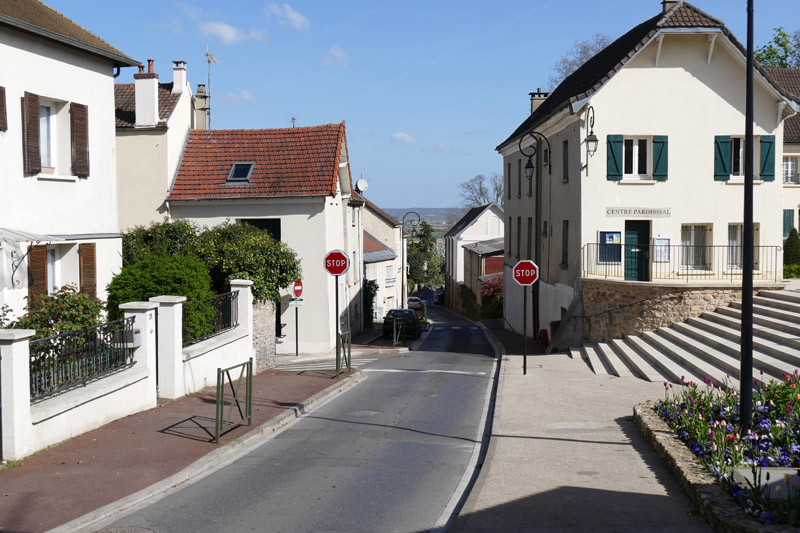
[(383, 249)]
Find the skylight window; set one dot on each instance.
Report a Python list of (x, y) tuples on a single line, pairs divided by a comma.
[(241, 172)]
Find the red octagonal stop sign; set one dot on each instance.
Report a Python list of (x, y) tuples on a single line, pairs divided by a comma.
[(336, 262), (526, 272)]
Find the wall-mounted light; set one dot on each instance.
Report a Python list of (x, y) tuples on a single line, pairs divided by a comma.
[(529, 167), (591, 139)]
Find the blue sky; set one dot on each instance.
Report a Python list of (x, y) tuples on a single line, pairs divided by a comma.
[(428, 88)]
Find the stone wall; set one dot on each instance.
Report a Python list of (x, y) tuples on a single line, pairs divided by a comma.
[(264, 335), (614, 309)]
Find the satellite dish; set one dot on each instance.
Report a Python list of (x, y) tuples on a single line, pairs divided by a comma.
[(361, 185)]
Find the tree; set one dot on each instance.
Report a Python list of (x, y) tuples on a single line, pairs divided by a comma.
[(783, 51), (791, 249), (480, 191), (576, 56), (424, 264)]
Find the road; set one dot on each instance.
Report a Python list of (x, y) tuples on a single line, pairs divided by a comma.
[(387, 455)]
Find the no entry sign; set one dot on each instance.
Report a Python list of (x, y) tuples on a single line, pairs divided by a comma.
[(298, 288), (336, 262), (526, 272)]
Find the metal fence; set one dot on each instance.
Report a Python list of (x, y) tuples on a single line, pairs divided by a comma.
[(70, 359), (202, 319), (687, 263)]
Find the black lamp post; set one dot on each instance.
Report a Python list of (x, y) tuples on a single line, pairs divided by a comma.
[(403, 253), (591, 139), (529, 168)]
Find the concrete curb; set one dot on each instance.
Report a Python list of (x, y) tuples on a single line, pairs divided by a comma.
[(209, 463)]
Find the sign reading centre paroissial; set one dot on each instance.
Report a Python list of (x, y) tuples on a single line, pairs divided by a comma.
[(649, 212)]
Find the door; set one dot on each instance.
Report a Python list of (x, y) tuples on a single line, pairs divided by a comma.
[(637, 245)]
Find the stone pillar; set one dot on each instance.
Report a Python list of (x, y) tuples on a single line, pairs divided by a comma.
[(171, 381), (144, 315), (16, 429), (264, 335)]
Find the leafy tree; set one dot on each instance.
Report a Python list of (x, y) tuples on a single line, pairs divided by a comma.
[(791, 249), (424, 265), (576, 56), (480, 191), (783, 50), (159, 238), (63, 311)]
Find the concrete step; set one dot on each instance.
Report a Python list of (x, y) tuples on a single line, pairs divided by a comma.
[(789, 325), (770, 312), (591, 355), (575, 352), (659, 360), (613, 361), (639, 365), (780, 346), (784, 295), (759, 331), (777, 303), (694, 360)]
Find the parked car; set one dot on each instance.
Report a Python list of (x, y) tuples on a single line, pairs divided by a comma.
[(412, 323), (414, 302)]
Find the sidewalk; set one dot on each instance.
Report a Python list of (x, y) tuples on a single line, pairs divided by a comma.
[(565, 454), (97, 468)]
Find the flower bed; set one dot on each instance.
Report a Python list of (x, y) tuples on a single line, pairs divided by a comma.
[(706, 419)]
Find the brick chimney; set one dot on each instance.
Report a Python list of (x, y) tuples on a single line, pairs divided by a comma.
[(200, 106), (668, 4), (178, 76), (146, 93), (537, 99)]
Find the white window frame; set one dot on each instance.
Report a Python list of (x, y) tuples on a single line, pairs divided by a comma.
[(636, 158), (48, 135), (791, 170), (737, 154)]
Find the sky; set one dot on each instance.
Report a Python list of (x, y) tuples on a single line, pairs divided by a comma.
[(428, 89)]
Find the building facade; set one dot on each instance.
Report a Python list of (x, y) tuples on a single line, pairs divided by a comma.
[(383, 249)]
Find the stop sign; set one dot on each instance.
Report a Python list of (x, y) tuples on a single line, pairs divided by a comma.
[(298, 288), (337, 262), (526, 272)]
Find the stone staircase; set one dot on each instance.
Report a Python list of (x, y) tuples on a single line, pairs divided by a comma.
[(708, 346)]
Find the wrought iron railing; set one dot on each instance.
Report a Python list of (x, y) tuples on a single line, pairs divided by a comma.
[(203, 319), (687, 263), (70, 359)]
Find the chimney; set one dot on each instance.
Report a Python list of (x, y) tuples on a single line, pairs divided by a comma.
[(146, 94), (178, 76), (200, 103), (537, 99), (668, 4)]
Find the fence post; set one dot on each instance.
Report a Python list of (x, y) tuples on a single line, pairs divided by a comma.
[(144, 319), (15, 394), (171, 383)]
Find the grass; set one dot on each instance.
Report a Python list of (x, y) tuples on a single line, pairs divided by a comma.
[(707, 420)]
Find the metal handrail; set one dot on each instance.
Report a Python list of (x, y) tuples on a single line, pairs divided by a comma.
[(225, 309)]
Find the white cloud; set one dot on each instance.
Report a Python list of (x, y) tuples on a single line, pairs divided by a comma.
[(289, 17), (229, 34), (404, 138), (242, 97), (336, 56)]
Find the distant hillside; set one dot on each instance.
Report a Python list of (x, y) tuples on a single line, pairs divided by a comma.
[(435, 216)]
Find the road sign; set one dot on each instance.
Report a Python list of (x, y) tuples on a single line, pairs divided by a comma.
[(336, 262), (298, 302), (526, 272), (298, 288)]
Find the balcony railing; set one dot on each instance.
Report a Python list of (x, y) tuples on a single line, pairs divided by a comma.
[(70, 359), (687, 263), (203, 319)]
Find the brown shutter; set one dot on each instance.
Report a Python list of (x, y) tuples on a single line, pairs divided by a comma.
[(3, 119), (37, 272), (88, 270), (31, 155), (79, 133)]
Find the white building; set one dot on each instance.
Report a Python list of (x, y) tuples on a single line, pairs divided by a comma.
[(383, 249), (296, 184), (58, 222), (661, 197), (789, 79)]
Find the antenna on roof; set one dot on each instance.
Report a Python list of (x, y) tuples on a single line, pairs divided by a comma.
[(211, 59), (293, 119)]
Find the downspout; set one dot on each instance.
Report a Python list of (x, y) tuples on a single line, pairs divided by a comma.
[(117, 73)]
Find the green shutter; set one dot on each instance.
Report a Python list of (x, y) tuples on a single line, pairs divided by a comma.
[(767, 167), (660, 157), (614, 157), (722, 157), (788, 222)]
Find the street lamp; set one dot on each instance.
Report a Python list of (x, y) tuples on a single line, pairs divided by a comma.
[(403, 253), (529, 168), (591, 139)]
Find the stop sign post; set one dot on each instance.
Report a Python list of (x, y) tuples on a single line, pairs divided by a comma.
[(525, 273), (336, 263), (297, 289)]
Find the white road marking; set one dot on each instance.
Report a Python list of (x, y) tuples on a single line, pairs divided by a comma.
[(324, 365), (426, 371), (455, 327)]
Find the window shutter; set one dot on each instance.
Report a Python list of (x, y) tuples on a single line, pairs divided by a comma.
[(767, 167), (87, 254), (31, 156), (660, 158), (722, 157), (37, 272), (79, 134), (614, 157), (3, 115)]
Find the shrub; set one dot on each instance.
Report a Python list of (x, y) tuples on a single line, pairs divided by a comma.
[(177, 275), (791, 271), (243, 251), (159, 238), (63, 311), (791, 249), (370, 291)]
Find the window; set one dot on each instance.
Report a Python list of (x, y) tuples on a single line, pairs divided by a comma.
[(530, 238), (736, 245), (565, 160), (564, 243), (508, 174), (240, 171), (790, 170), (390, 278), (519, 178), (695, 246), (3, 119), (270, 225), (729, 158), (519, 235), (634, 156), (46, 136), (737, 157), (509, 237)]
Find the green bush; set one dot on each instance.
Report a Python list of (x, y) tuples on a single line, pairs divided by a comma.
[(174, 275), (370, 291), (159, 238), (63, 311), (791, 271), (791, 249), (240, 251)]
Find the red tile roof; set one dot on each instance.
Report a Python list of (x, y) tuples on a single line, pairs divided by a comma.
[(371, 244), (125, 103), (288, 162), (789, 79)]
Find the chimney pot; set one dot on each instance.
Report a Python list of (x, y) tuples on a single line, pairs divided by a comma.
[(150, 65), (537, 98), (178, 76), (668, 4), (141, 68)]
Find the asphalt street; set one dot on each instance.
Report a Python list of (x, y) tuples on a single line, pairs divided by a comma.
[(388, 455)]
